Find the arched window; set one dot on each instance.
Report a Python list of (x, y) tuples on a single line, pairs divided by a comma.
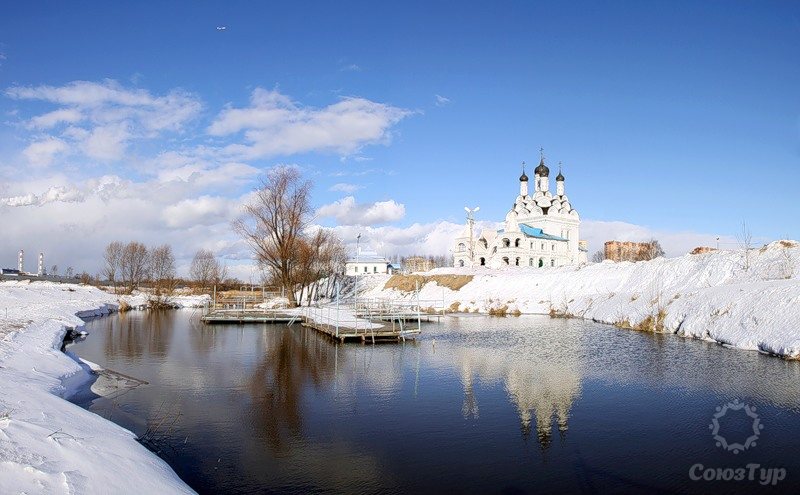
[(461, 263), (552, 262), (461, 247), (494, 250), (516, 242), (530, 262), (483, 261), (506, 243), (553, 246), (541, 262), (505, 260), (484, 243), (531, 246), (517, 262), (542, 246)]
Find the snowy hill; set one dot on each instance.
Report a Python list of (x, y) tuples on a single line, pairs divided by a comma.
[(749, 300)]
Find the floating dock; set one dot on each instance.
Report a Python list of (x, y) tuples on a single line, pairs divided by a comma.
[(240, 316)]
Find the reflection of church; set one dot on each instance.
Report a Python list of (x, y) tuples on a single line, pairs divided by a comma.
[(541, 229), (542, 389)]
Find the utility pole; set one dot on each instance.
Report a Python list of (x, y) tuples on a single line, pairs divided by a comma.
[(471, 221)]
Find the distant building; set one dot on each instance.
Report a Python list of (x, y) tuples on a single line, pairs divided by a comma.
[(702, 250), (415, 264), (627, 251), (367, 263), (540, 229), (10, 272)]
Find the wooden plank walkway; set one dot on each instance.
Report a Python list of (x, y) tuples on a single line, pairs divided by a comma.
[(383, 333), (247, 316)]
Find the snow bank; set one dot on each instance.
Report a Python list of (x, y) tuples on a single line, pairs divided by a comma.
[(47, 444), (745, 300), (141, 300)]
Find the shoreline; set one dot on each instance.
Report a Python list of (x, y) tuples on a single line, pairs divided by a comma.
[(53, 445)]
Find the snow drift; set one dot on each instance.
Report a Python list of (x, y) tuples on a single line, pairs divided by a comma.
[(745, 299), (47, 444)]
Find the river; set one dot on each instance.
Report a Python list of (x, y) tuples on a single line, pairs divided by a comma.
[(477, 404)]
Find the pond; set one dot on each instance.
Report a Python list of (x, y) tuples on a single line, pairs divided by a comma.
[(476, 404)]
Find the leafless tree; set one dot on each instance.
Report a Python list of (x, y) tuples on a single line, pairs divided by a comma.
[(320, 255), (54, 270), (205, 269), (745, 240), (134, 264), (162, 270), (111, 258), (598, 256), (651, 251), (274, 222)]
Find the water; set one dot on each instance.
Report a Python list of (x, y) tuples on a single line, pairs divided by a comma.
[(477, 404)]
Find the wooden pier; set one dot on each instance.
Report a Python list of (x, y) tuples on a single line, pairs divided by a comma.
[(365, 321)]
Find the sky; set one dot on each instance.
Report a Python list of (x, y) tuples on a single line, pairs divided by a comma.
[(146, 121)]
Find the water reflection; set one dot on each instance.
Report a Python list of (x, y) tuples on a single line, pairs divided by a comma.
[(286, 409)]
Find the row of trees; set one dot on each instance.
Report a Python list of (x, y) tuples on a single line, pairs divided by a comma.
[(276, 225), (131, 264)]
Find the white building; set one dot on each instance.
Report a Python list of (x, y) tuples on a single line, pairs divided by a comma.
[(541, 229), (368, 263)]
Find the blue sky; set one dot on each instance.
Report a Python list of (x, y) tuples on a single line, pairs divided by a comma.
[(673, 119)]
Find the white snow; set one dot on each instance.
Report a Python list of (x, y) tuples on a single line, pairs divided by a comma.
[(745, 300), (140, 300), (47, 444)]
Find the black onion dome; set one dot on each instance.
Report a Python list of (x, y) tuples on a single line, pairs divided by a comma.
[(523, 177), (560, 177), (542, 170)]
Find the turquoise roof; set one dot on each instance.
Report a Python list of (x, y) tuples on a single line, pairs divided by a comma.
[(538, 233)]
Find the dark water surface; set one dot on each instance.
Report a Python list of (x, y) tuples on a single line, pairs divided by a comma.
[(476, 405)]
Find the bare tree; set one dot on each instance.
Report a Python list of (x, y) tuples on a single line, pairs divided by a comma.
[(70, 272), (134, 264), (162, 270), (205, 269), (598, 256), (112, 257), (54, 270), (274, 222), (651, 251), (745, 240)]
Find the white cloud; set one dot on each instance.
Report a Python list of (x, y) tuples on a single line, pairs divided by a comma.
[(107, 143), (41, 153), (102, 118), (345, 187), (351, 68), (205, 210), (275, 125), (442, 101), (347, 212), (51, 119)]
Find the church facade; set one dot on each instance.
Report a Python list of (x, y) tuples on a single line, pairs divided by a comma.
[(541, 229)]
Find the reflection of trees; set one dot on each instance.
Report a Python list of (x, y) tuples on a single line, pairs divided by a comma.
[(130, 335), (292, 361)]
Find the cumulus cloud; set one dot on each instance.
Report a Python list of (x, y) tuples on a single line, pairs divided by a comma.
[(345, 187), (347, 212), (205, 210), (100, 119), (273, 125), (41, 153)]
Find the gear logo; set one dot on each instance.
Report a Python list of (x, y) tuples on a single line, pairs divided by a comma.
[(750, 441)]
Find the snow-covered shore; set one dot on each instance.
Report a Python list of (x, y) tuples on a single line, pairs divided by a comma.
[(47, 444), (745, 300)]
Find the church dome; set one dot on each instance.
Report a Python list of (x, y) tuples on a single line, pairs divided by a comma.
[(523, 177), (560, 177), (542, 170)]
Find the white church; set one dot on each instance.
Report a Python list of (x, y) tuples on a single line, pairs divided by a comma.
[(541, 229)]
